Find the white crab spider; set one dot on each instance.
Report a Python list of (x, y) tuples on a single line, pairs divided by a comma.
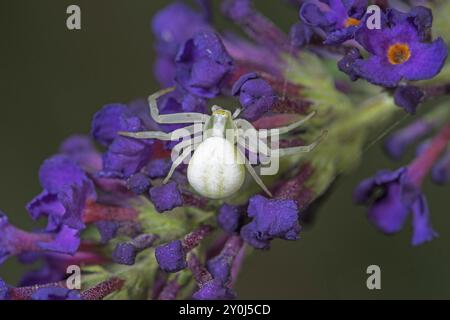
[(216, 170)]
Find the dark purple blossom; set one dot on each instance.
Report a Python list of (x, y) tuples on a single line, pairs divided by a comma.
[(171, 257), (139, 183), (220, 266), (14, 241), (81, 149), (346, 63), (55, 293), (398, 52), (230, 218), (124, 253), (408, 98), (179, 101), (107, 230), (166, 197), (202, 65), (67, 240), (255, 95), (271, 219), (66, 190), (172, 26), (397, 143), (419, 16), (391, 197), (125, 156), (158, 168), (237, 10), (441, 170), (214, 290), (339, 19), (175, 24), (300, 34)]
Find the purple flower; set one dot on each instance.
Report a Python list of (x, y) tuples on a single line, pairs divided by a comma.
[(237, 10), (172, 26), (81, 149), (139, 183), (220, 266), (271, 219), (255, 95), (398, 52), (391, 197), (179, 101), (441, 170), (14, 241), (397, 143), (300, 34), (171, 257), (421, 17), (214, 290), (230, 218), (202, 65), (107, 230), (124, 253), (408, 98), (339, 19), (56, 293), (66, 191), (66, 241), (175, 24), (158, 168), (166, 197), (125, 156), (107, 122), (346, 63)]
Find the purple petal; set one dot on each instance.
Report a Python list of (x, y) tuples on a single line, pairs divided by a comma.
[(166, 197), (427, 60), (107, 123), (229, 218), (214, 290), (422, 229), (124, 253), (171, 256), (202, 64), (377, 71), (139, 183), (66, 241), (441, 170), (59, 172), (408, 98)]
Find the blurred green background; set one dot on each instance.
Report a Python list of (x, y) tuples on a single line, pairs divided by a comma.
[(53, 80)]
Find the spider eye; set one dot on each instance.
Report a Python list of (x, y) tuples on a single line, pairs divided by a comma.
[(220, 112)]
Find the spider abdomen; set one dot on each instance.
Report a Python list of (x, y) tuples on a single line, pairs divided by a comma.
[(216, 169)]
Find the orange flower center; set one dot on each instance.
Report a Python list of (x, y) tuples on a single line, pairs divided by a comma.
[(351, 22), (399, 53)]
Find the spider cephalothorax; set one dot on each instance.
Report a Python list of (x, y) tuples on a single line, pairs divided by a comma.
[(216, 169)]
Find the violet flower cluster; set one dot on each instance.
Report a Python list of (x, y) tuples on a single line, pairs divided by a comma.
[(102, 195)]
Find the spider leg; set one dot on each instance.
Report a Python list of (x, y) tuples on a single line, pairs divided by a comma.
[(247, 125), (254, 174), (187, 117), (165, 136), (186, 152), (293, 150), (236, 113), (292, 126), (185, 147)]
